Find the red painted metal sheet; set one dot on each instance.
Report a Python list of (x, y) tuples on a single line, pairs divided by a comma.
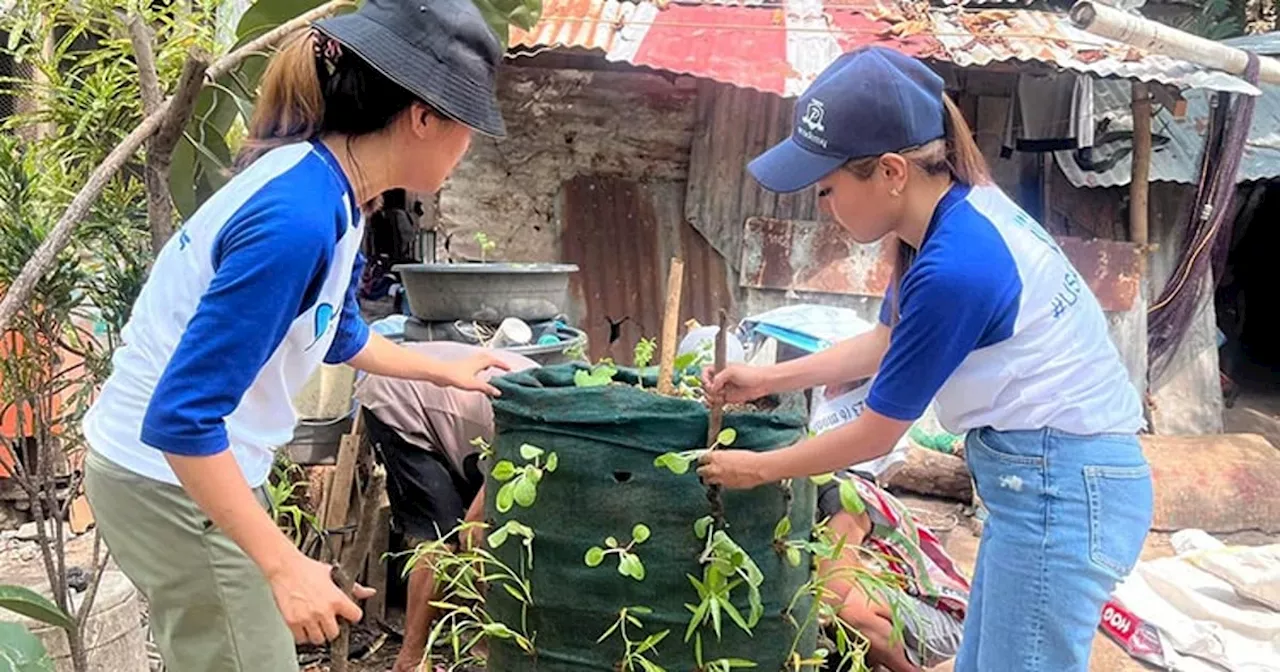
[(820, 257)]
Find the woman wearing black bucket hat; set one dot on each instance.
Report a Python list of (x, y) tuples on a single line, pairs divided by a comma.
[(252, 294)]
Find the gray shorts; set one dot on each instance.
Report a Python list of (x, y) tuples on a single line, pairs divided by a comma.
[(930, 635)]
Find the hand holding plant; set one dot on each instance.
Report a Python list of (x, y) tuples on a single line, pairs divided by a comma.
[(737, 384)]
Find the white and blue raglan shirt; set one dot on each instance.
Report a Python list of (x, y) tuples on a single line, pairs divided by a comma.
[(242, 306), (997, 323)]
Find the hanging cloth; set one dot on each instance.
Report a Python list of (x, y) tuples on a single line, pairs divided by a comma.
[(1049, 113)]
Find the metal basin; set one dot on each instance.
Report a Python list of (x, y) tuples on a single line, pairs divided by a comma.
[(486, 292)]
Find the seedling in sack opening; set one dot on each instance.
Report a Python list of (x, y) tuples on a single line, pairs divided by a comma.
[(678, 463), (520, 484), (629, 563), (635, 654)]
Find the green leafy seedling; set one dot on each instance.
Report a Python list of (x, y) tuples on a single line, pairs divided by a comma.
[(636, 654), (520, 483), (679, 463), (598, 376), (629, 563), (518, 529), (726, 566), (486, 245), (645, 349)]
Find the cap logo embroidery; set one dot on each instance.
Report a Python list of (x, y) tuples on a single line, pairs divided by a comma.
[(812, 123)]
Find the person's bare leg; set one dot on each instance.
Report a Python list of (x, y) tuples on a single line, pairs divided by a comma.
[(871, 617), (418, 617)]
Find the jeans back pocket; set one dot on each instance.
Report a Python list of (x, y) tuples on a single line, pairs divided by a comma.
[(1120, 510)]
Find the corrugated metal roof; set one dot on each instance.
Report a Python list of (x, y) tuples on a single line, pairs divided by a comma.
[(975, 39), (779, 47), (1266, 43), (1178, 160)]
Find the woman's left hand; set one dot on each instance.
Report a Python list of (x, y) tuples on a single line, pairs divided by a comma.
[(734, 469), (464, 374)]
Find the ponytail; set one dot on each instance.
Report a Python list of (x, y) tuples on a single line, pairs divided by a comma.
[(963, 156), (290, 106), (316, 86), (956, 153)]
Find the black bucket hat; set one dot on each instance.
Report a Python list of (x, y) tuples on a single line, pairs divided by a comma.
[(442, 51)]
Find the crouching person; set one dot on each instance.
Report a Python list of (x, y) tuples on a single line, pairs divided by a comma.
[(931, 594), (423, 434)]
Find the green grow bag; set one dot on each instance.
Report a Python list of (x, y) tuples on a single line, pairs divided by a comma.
[(605, 440)]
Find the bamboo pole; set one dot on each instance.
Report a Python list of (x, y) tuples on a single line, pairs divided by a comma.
[(1158, 38), (670, 328), (1140, 183)]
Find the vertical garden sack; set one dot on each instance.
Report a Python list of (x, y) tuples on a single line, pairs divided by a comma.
[(599, 486)]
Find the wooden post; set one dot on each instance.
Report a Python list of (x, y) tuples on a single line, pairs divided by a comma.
[(670, 328), (1140, 183), (715, 421)]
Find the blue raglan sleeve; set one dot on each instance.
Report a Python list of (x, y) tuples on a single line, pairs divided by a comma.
[(353, 332), (264, 273), (949, 308)]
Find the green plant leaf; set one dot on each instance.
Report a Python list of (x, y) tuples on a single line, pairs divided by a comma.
[(734, 615), (793, 556), (699, 615), (503, 471), (595, 556), (553, 462), (849, 498), (673, 462), (506, 497), (702, 525), (21, 651), (641, 610), (640, 533), (652, 641), (611, 542), (688, 359), (629, 565), (782, 529), (727, 436), (529, 451), (499, 537), (515, 593), (822, 479), (525, 492), (498, 630), (33, 605)]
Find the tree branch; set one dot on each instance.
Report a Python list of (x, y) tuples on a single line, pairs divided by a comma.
[(19, 292), (159, 207)]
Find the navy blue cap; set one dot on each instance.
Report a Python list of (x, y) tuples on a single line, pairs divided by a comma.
[(868, 102)]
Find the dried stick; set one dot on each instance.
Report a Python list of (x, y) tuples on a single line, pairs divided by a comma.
[(670, 328), (716, 420), (19, 291), (353, 559)]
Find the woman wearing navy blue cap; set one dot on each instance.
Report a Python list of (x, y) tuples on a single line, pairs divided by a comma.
[(986, 316), (253, 293)]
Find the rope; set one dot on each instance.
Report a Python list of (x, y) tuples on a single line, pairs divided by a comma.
[(1171, 314)]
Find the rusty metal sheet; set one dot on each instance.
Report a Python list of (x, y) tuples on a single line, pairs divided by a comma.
[(1109, 267), (807, 256), (621, 234)]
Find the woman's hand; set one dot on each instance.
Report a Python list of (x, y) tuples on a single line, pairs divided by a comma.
[(311, 602), (734, 469), (464, 374), (737, 383)]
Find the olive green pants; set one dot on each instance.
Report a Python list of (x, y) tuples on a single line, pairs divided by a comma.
[(211, 609)]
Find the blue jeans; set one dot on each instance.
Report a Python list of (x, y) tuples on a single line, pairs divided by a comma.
[(1067, 518)]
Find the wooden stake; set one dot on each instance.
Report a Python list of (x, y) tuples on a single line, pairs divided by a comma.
[(353, 560), (1139, 184), (670, 328), (715, 420), (339, 492)]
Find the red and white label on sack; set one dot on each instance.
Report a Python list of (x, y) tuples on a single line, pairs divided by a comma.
[(1138, 638)]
